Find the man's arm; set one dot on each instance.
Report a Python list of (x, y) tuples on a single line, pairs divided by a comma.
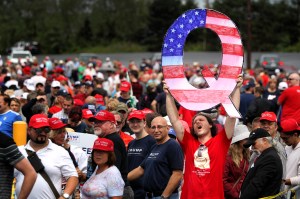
[(70, 186), (235, 97), (173, 113), (153, 105), (135, 173), (30, 176), (173, 183)]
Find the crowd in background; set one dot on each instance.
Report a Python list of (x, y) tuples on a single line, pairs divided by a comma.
[(82, 95)]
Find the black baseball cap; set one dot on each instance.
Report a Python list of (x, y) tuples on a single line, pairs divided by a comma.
[(63, 93), (254, 135)]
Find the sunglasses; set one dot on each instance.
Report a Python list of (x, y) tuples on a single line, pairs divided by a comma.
[(42, 129)]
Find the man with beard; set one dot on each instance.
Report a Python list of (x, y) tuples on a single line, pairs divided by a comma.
[(55, 159), (205, 149), (105, 127)]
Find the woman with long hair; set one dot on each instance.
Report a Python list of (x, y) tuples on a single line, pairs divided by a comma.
[(106, 181), (237, 163)]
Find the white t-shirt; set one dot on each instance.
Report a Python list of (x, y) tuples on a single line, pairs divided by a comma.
[(104, 185), (57, 163)]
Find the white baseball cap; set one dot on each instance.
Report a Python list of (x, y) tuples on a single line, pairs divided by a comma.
[(282, 86), (29, 84), (55, 84), (241, 132)]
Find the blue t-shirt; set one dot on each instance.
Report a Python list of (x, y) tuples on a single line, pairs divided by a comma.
[(159, 165), (6, 122), (246, 99), (138, 150)]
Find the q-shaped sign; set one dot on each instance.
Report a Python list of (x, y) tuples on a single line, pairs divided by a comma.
[(232, 61)]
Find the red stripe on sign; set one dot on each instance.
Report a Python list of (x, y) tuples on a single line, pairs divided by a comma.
[(223, 30), (233, 49), (206, 72), (209, 96), (231, 72), (173, 71), (211, 13)]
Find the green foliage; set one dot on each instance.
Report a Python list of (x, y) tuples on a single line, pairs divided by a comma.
[(140, 25)]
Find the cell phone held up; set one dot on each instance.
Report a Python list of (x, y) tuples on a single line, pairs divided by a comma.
[(35, 162)]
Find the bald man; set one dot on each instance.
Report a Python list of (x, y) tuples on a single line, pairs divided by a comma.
[(290, 98), (162, 169)]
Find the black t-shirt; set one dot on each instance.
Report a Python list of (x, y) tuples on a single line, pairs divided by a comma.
[(121, 155), (159, 165), (138, 150)]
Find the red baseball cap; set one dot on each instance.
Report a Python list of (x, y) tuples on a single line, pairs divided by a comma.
[(61, 78), (88, 78), (103, 144), (103, 115), (269, 116), (125, 86), (146, 111), (99, 99), (56, 123), (87, 113), (136, 114), (289, 125), (38, 121), (78, 102)]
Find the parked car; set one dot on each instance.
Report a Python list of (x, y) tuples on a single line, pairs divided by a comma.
[(269, 62), (32, 46), (21, 56)]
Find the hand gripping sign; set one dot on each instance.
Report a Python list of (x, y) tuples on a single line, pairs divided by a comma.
[(232, 61)]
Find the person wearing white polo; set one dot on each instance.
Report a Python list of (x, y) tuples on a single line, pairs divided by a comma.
[(56, 160)]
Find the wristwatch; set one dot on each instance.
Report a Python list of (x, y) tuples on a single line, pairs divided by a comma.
[(163, 197), (66, 196)]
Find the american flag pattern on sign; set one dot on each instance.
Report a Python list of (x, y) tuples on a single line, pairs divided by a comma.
[(232, 61)]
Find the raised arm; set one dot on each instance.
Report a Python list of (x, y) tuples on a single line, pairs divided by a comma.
[(235, 98), (173, 113)]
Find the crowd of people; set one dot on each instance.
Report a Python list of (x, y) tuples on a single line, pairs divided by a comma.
[(148, 145)]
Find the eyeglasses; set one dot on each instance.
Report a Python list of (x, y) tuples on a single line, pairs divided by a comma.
[(42, 129), (200, 150), (290, 79), (285, 138), (159, 127)]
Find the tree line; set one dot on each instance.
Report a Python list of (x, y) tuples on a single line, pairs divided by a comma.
[(70, 25)]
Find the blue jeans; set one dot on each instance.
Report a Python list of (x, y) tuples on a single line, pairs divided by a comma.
[(173, 196)]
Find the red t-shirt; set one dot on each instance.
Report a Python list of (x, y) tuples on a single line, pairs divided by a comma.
[(54, 109), (203, 176), (290, 101), (126, 138)]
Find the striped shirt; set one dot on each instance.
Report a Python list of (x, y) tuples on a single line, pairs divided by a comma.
[(9, 157)]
